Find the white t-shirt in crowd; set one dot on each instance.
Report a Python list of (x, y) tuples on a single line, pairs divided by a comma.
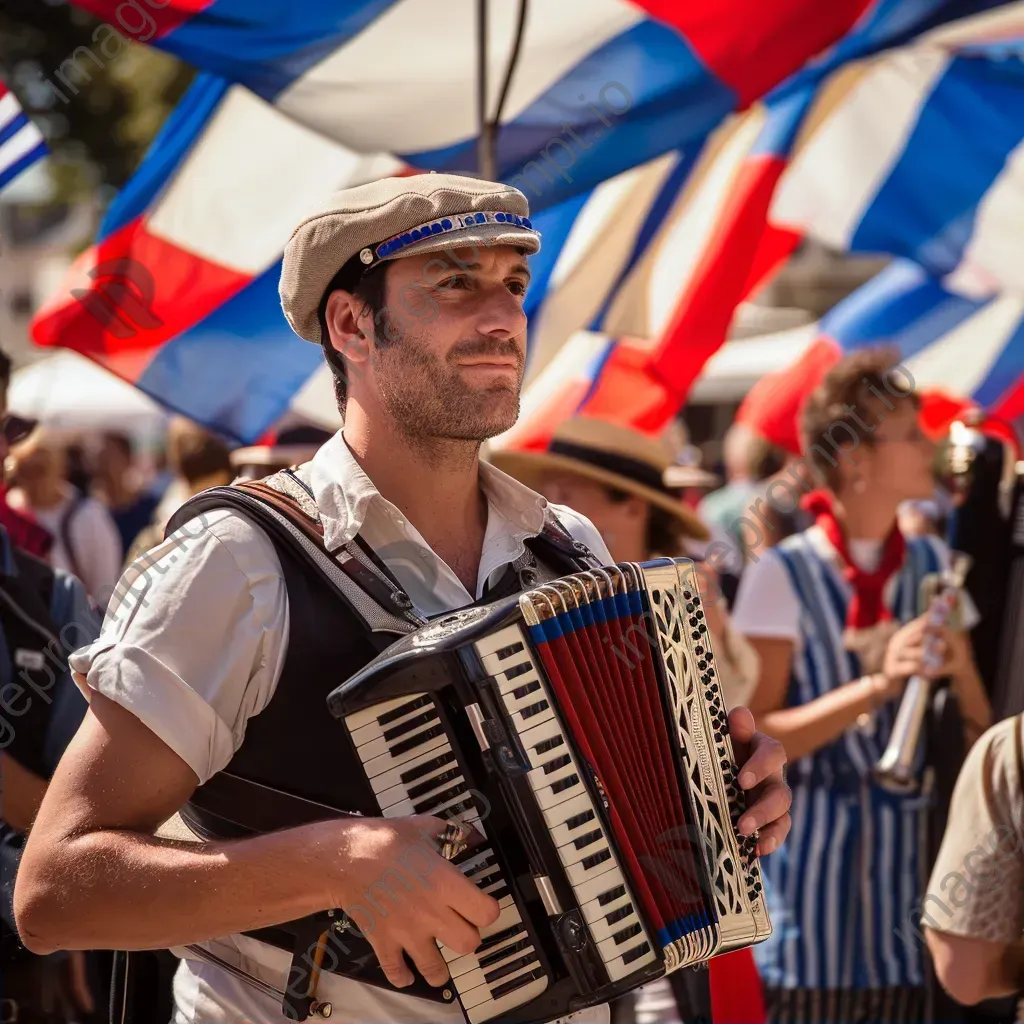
[(197, 643), (97, 553), (767, 604)]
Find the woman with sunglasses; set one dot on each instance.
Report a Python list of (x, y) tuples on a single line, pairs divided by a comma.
[(23, 530)]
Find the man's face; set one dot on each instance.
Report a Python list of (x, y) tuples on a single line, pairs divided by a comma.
[(447, 352)]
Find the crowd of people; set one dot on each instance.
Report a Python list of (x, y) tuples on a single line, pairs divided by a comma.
[(813, 605)]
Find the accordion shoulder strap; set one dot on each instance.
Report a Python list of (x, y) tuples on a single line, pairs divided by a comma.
[(555, 535), (277, 507)]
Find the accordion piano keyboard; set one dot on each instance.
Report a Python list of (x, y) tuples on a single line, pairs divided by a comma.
[(412, 769), (576, 830)]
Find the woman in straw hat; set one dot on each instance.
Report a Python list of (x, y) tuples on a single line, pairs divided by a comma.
[(621, 480)]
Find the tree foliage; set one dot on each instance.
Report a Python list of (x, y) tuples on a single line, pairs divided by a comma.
[(100, 117)]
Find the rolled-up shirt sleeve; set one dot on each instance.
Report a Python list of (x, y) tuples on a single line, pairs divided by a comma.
[(195, 638)]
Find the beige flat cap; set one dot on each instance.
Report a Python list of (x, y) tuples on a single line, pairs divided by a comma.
[(391, 218)]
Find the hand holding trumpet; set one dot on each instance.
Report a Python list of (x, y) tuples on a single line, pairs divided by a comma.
[(923, 648)]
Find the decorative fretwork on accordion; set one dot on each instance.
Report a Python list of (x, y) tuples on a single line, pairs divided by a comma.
[(581, 728)]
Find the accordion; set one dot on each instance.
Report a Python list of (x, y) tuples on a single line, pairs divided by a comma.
[(580, 728)]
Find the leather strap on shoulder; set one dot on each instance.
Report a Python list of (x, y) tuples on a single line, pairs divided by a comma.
[(555, 535), (283, 518)]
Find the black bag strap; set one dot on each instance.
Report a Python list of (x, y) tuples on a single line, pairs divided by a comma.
[(266, 809), (64, 530), (556, 545)]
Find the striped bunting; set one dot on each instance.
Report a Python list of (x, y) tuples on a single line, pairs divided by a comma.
[(21, 142)]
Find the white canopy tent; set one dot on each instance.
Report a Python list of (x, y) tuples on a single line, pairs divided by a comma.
[(66, 391)]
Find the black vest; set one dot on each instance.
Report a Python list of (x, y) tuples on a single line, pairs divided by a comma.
[(296, 764), (294, 746)]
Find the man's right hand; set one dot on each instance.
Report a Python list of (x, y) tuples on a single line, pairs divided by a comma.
[(404, 897)]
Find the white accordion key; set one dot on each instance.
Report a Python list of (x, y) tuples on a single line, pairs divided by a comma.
[(605, 919), (540, 740), (415, 729), (392, 715), (412, 769), (503, 972), (402, 754), (384, 710), (563, 798), (418, 766), (556, 781), (630, 959)]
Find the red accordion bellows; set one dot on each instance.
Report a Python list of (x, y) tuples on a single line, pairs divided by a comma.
[(621, 699)]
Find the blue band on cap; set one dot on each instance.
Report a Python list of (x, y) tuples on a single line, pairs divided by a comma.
[(443, 226)]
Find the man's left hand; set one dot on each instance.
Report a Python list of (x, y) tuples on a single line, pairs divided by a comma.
[(761, 760)]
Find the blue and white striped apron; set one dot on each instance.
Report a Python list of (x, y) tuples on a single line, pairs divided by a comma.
[(842, 887)]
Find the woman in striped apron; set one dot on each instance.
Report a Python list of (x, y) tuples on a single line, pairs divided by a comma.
[(833, 613)]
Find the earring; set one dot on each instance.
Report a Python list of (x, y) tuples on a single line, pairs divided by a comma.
[(860, 485)]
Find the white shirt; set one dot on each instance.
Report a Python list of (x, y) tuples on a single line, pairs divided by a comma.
[(196, 645), (767, 604), (95, 542)]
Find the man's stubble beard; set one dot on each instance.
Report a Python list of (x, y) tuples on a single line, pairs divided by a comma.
[(427, 397)]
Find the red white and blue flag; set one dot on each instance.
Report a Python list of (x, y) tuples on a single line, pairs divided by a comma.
[(301, 99), (610, 127), (959, 352), (915, 152), (21, 142)]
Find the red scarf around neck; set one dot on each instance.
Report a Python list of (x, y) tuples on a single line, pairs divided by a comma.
[(867, 607)]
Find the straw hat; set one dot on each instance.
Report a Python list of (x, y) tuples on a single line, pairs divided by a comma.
[(612, 455), (291, 447)]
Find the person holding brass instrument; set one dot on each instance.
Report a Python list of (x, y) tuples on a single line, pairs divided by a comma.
[(834, 615), (208, 688)]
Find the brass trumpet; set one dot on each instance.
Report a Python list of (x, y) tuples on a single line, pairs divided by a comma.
[(895, 769)]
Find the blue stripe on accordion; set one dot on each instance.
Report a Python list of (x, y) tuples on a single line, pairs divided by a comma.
[(617, 607), (675, 930), (544, 632), (576, 618)]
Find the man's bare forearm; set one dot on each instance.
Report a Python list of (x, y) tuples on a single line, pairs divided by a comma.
[(123, 890)]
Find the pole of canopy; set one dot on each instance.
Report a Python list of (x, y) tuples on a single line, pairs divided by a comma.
[(485, 140)]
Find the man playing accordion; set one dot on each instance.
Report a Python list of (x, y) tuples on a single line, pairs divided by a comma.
[(216, 663)]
